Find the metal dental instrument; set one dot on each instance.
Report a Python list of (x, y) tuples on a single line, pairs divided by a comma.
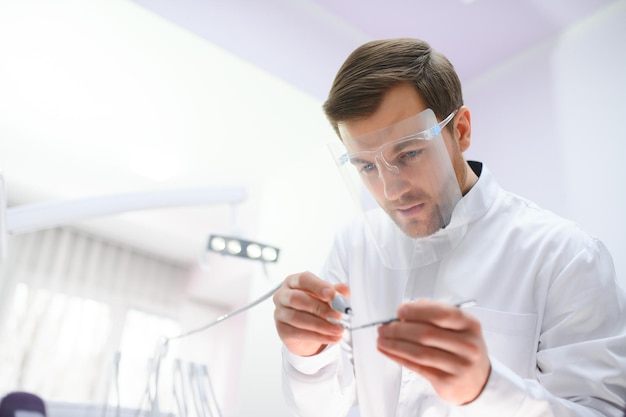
[(341, 304), (346, 325)]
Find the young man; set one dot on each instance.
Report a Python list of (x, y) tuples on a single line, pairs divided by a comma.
[(547, 336)]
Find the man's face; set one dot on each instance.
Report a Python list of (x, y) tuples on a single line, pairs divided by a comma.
[(421, 195)]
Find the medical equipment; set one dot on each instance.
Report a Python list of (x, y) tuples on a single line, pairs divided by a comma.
[(36, 216), (341, 304), (234, 246), (346, 325), (22, 404), (199, 377), (193, 380), (113, 379)]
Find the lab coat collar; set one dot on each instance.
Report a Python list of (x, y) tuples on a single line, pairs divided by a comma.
[(477, 201), (472, 206)]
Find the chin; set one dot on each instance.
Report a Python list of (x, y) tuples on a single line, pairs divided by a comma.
[(418, 229)]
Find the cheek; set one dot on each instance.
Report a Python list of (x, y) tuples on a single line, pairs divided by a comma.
[(457, 159)]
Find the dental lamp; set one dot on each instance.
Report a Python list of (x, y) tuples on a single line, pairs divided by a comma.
[(234, 246), (36, 216)]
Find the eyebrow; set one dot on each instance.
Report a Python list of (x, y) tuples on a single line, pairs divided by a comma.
[(355, 160), (404, 142)]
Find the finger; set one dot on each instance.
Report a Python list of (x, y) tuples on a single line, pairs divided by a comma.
[(343, 289), (301, 300), (304, 342), (458, 377), (423, 356), (435, 375), (307, 322), (429, 335), (311, 283), (436, 313)]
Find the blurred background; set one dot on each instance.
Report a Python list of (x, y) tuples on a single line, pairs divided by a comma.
[(121, 97)]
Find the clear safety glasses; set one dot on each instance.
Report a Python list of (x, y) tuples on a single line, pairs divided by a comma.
[(405, 152)]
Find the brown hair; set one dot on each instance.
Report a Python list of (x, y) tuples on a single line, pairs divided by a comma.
[(373, 68)]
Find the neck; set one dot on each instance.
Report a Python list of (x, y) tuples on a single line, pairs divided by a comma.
[(468, 180)]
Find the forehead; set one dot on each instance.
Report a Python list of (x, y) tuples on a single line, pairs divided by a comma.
[(386, 123)]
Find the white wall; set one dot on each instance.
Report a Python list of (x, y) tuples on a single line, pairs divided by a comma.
[(549, 126)]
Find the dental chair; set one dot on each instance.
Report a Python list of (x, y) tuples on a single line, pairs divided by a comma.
[(22, 404)]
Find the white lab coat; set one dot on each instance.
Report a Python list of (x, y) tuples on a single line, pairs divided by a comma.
[(552, 314)]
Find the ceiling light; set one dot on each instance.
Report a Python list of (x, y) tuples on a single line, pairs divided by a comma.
[(269, 254), (218, 244), (254, 251), (232, 246)]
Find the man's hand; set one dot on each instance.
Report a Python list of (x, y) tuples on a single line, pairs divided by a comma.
[(302, 309), (443, 344)]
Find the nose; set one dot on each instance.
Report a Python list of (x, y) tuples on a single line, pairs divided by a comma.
[(382, 162), (395, 183)]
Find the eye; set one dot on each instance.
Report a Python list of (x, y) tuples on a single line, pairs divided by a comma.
[(363, 166), (367, 169), (411, 155)]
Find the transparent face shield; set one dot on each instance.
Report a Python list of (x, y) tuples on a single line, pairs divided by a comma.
[(402, 179)]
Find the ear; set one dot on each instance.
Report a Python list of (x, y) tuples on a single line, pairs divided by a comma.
[(463, 128)]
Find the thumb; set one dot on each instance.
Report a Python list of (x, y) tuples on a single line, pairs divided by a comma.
[(343, 289)]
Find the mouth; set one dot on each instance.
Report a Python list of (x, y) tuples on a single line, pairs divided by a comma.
[(411, 211)]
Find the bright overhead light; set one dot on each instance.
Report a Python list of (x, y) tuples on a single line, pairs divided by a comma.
[(218, 244), (253, 250), (232, 246), (269, 254)]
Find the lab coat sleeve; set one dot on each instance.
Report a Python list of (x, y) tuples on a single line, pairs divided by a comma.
[(321, 385), (581, 358)]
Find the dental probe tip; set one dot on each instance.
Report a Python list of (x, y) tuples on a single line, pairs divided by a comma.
[(465, 304)]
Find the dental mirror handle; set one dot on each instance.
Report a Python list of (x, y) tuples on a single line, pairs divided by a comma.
[(341, 304)]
